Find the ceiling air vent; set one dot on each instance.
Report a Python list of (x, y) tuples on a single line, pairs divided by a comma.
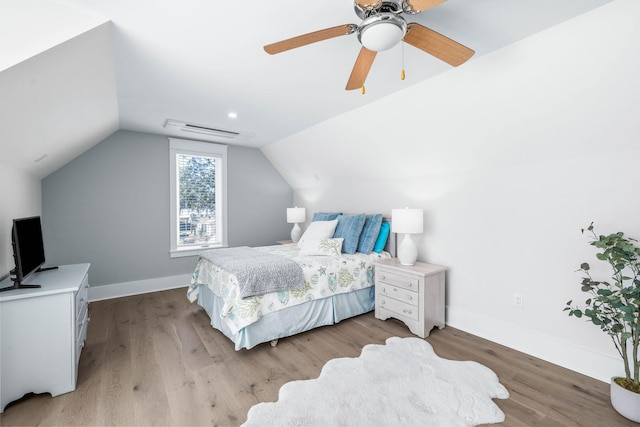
[(206, 131)]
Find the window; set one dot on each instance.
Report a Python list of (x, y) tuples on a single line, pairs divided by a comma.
[(198, 196)]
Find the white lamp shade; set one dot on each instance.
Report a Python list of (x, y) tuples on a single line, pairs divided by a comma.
[(406, 221), (296, 215)]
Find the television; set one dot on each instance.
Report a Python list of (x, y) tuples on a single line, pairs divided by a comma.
[(28, 250)]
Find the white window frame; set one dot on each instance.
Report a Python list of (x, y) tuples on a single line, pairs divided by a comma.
[(196, 148)]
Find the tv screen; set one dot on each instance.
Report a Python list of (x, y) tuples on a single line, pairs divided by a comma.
[(28, 248)]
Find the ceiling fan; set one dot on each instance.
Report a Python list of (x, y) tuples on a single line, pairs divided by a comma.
[(382, 28)]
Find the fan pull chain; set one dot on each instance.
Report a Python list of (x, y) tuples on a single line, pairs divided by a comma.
[(362, 90), (402, 74)]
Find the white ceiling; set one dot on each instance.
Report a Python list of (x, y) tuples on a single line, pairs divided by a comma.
[(197, 60)]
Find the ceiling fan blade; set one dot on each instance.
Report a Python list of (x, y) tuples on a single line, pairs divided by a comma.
[(361, 69), (305, 39), (369, 4), (434, 43), (416, 6)]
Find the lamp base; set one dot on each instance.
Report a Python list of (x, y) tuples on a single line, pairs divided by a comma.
[(296, 233), (407, 251)]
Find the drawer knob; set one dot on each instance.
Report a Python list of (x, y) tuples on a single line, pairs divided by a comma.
[(406, 311), (383, 277), (409, 297), (410, 284), (382, 302)]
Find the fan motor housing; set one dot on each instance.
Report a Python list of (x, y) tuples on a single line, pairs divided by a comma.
[(386, 6)]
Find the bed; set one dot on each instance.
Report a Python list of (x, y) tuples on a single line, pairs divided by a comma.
[(336, 286)]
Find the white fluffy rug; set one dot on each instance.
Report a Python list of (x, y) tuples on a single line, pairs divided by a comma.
[(402, 383)]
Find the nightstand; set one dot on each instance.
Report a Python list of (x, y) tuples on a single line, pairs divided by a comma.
[(413, 294)]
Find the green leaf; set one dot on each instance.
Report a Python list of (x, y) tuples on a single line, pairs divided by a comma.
[(584, 266)]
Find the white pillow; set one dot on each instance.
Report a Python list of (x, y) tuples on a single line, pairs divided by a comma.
[(325, 247), (319, 230)]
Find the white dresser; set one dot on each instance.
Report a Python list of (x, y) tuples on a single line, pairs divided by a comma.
[(42, 332), (413, 294)]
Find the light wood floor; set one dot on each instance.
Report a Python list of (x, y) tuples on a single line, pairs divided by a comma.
[(154, 360)]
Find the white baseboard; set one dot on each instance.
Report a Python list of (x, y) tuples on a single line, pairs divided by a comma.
[(117, 290), (576, 358)]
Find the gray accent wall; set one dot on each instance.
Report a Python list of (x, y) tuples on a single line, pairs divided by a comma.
[(110, 207)]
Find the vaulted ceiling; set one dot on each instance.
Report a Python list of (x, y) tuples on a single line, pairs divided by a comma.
[(74, 71)]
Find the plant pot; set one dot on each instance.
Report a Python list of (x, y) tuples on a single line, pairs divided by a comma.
[(626, 402)]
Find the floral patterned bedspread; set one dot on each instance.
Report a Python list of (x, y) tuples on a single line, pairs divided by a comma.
[(324, 276)]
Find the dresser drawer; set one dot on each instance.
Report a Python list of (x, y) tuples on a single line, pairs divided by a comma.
[(401, 294), (405, 310), (82, 296), (410, 283), (81, 331), (81, 321)]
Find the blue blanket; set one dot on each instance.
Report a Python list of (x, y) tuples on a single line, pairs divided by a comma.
[(258, 272)]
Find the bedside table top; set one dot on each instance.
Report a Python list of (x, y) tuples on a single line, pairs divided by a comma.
[(419, 267)]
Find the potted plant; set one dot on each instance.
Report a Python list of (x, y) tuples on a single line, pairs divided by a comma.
[(614, 306)]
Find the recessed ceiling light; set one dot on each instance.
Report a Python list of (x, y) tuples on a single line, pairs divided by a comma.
[(232, 115)]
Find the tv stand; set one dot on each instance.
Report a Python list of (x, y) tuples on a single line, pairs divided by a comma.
[(43, 331), (17, 284)]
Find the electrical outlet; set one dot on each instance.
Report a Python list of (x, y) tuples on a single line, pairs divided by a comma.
[(517, 300)]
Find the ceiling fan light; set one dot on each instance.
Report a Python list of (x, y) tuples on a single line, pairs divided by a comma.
[(381, 37), (381, 32)]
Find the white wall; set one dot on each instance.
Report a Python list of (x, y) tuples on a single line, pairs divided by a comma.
[(19, 198), (510, 156)]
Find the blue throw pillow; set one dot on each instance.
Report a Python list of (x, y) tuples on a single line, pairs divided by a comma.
[(349, 228), (325, 216), (382, 237), (369, 233)]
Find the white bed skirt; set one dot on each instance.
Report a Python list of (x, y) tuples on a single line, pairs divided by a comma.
[(291, 321)]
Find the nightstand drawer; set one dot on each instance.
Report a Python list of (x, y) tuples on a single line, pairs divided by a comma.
[(395, 292), (410, 283), (398, 307)]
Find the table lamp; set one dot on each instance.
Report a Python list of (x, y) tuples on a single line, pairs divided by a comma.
[(295, 216), (407, 221)]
